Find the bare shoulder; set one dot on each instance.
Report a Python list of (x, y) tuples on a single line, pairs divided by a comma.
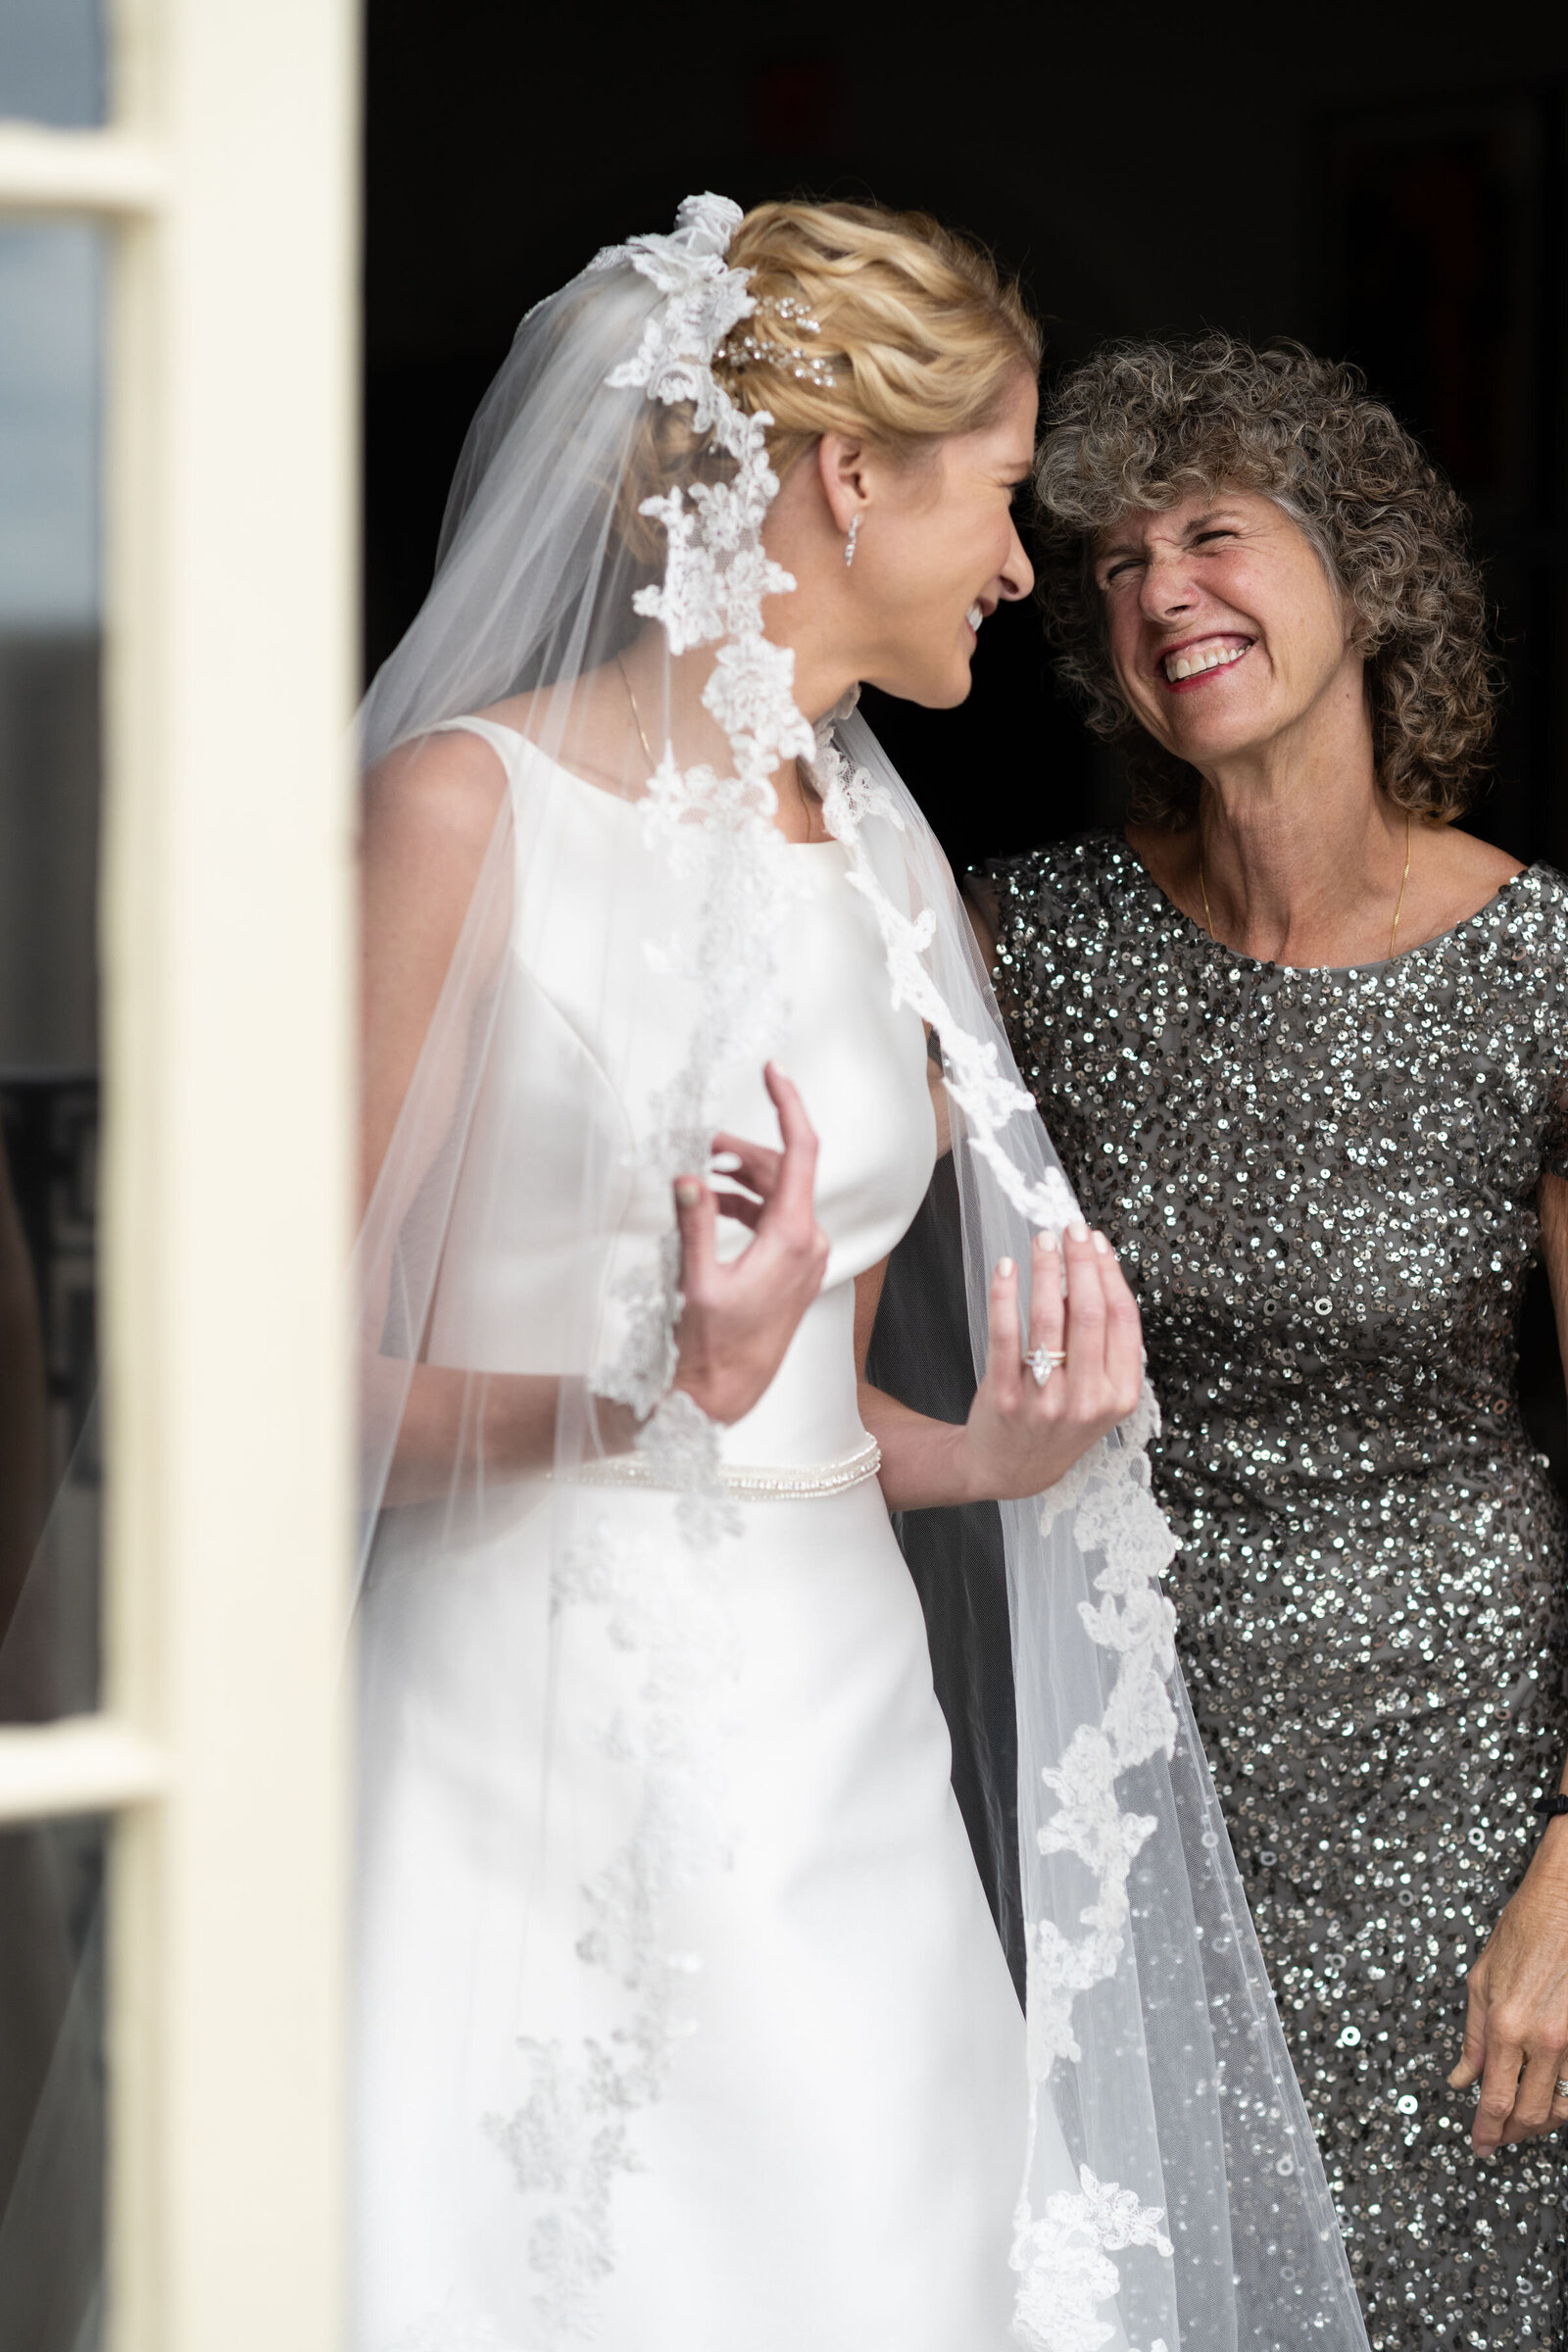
[(437, 798), (434, 809), (1151, 842), (1469, 862), (1453, 876), (1171, 857), (1166, 852), (587, 724)]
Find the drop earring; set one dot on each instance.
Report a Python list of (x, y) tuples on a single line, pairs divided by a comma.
[(849, 544)]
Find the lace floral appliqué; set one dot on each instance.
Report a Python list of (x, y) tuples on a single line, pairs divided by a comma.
[(1062, 2258), (573, 2135)]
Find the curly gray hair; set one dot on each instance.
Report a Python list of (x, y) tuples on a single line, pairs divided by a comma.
[(1141, 426)]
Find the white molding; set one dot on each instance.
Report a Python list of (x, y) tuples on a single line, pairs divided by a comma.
[(226, 926), (87, 1764), (100, 171)]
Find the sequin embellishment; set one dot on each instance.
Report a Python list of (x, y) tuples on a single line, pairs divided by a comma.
[(1322, 1187)]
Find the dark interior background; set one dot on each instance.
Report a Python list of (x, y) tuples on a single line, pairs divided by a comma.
[(1385, 181)]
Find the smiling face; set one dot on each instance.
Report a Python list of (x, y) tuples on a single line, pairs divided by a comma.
[(938, 551), (1225, 631)]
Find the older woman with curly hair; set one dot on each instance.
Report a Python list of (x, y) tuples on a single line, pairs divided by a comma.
[(1303, 1044)]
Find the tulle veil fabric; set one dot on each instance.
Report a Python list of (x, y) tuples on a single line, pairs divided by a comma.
[(610, 487)]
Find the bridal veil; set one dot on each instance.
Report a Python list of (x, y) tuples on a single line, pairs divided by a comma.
[(613, 483)]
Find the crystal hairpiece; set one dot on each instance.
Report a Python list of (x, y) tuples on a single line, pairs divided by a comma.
[(745, 349)]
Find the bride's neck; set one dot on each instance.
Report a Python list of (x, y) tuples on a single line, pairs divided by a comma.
[(675, 685)]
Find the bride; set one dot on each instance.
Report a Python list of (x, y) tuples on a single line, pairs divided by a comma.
[(680, 2016)]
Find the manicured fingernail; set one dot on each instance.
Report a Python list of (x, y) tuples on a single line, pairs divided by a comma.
[(688, 1192), (1078, 1232), (1101, 1244), (724, 1164), (1048, 1240), (1005, 1265)]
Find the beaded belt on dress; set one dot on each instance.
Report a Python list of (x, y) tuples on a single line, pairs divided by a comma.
[(744, 1478)]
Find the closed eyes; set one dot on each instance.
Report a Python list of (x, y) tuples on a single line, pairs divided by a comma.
[(1131, 562)]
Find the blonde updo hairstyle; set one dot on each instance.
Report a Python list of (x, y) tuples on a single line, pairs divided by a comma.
[(880, 326)]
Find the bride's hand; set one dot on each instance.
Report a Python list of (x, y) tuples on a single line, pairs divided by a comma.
[(1021, 1437), (738, 1319)]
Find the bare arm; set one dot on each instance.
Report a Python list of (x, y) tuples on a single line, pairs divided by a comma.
[(1516, 2027), (434, 833), (435, 824)]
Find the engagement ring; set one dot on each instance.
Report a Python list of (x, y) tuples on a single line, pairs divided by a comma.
[(1043, 1361), (1562, 2087)]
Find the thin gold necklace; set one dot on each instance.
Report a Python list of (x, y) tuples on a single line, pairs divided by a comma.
[(642, 737), (1394, 930), (637, 716)]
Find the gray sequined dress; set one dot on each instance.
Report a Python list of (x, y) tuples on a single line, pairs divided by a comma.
[(1322, 1186)]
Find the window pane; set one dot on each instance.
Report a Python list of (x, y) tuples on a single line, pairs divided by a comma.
[(50, 302), (53, 67), (50, 2085)]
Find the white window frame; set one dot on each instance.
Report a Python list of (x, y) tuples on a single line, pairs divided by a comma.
[(227, 178)]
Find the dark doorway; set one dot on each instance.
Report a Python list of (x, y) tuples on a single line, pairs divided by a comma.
[(1384, 182)]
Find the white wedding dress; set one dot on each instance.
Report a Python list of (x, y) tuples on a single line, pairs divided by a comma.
[(833, 2160)]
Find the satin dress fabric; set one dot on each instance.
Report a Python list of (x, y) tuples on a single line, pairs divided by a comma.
[(835, 2156)]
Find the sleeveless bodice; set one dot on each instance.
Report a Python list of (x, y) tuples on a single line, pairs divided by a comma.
[(591, 1025), (563, 1706)]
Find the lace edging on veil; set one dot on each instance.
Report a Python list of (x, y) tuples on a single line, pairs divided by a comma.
[(572, 2136)]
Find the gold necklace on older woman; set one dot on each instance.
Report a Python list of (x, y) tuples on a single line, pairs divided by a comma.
[(1398, 908)]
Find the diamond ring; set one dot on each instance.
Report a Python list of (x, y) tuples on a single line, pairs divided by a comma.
[(1042, 1362), (1562, 2087)]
